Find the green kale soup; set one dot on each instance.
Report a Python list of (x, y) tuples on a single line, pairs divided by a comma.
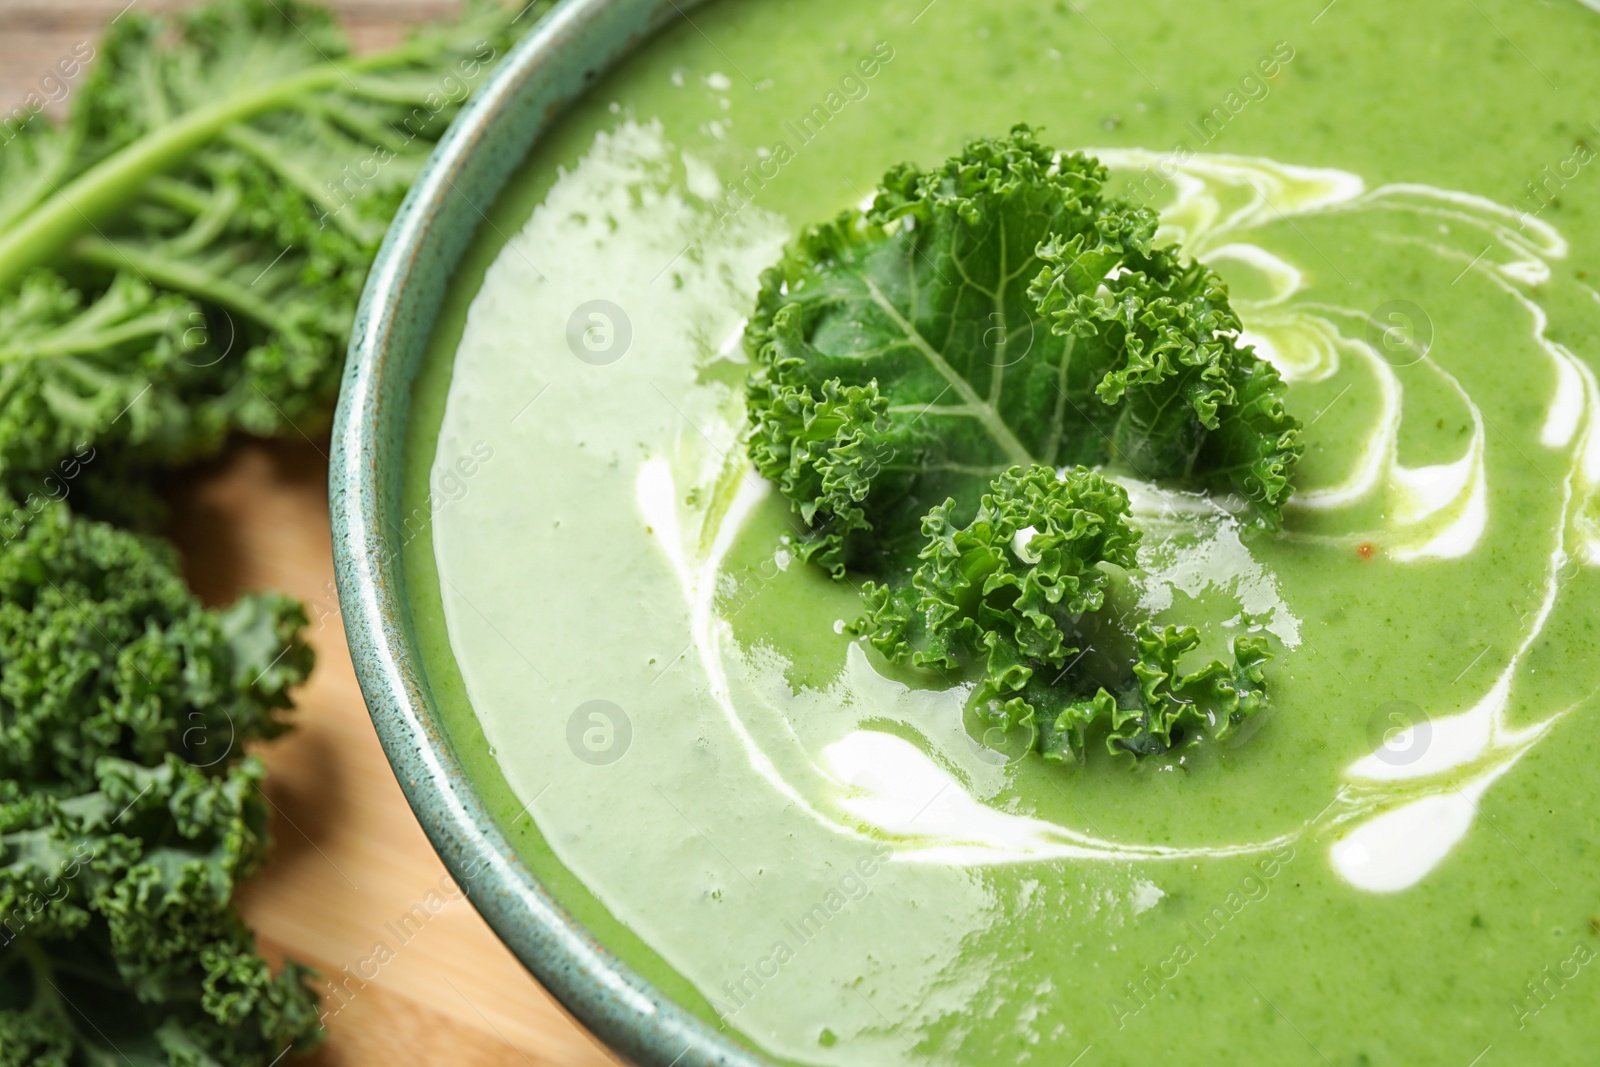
[(731, 738)]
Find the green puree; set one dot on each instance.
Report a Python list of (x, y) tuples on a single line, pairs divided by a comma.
[(793, 838)]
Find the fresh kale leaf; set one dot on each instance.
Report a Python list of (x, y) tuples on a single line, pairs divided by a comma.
[(179, 260), (925, 367), (1008, 593), (69, 367), (182, 257), (1180, 398), (1009, 586), (999, 310), (129, 810), (1157, 710)]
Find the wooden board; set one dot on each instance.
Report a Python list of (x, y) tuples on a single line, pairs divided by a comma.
[(353, 882), (351, 863)]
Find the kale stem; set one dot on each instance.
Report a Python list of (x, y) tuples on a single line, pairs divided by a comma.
[(179, 276), (106, 186), (95, 194), (86, 342), (1058, 414)]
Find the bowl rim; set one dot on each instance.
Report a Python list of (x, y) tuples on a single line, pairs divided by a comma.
[(545, 72)]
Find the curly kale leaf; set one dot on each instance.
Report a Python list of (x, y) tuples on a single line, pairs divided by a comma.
[(33, 1041), (1161, 708), (129, 812), (1180, 398), (1007, 594), (182, 258), (120, 937), (999, 310), (1009, 586), (69, 366), (823, 449), (926, 366), (106, 652), (925, 300)]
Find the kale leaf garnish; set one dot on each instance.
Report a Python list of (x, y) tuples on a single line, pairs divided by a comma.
[(936, 376)]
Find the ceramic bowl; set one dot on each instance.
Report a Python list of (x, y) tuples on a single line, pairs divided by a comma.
[(549, 69)]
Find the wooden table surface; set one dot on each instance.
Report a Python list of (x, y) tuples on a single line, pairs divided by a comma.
[(350, 859)]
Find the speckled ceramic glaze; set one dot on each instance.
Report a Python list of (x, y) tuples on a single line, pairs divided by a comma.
[(558, 60)]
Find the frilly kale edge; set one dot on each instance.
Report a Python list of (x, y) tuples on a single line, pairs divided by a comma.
[(180, 260), (129, 810), (936, 377), (1008, 591)]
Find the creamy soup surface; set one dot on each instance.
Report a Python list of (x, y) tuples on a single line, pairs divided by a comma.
[(662, 704)]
